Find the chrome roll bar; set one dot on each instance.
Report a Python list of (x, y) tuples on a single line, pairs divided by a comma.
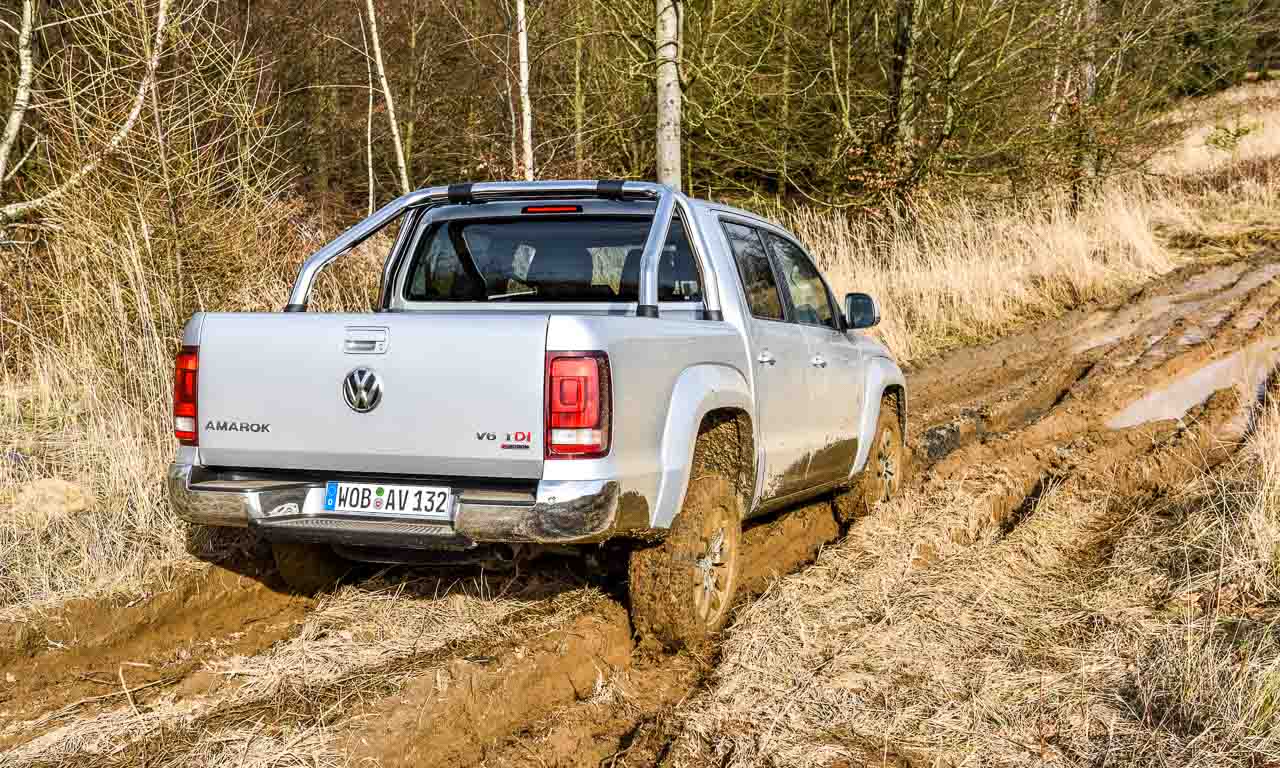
[(667, 199)]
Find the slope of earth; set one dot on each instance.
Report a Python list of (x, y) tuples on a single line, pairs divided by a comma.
[(539, 668)]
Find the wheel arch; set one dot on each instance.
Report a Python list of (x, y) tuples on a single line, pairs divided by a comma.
[(884, 380), (709, 426)]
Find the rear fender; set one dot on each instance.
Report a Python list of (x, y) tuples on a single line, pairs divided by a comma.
[(882, 373), (699, 390)]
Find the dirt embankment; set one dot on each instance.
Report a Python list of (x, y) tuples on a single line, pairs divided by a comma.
[(541, 669)]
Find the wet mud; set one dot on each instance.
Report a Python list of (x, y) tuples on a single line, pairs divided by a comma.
[(1135, 396)]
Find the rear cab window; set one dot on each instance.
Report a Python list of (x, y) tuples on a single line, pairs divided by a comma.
[(547, 259)]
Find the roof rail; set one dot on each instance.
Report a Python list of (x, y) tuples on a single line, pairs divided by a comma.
[(668, 201)]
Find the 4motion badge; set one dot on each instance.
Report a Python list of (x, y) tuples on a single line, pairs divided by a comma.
[(514, 441)]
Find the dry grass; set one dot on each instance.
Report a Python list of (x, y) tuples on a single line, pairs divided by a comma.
[(958, 272), (1240, 124), (90, 401), (93, 314), (1101, 630)]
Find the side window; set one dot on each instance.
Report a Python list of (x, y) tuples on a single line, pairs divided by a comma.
[(753, 268), (808, 294)]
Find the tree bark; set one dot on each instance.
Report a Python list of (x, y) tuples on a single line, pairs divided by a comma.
[(22, 95), (788, 18), (579, 96), (368, 123), (667, 44), (902, 87), (411, 124), (526, 108), (1087, 159), (405, 188), (1059, 82), (25, 207)]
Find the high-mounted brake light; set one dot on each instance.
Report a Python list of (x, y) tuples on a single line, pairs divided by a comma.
[(552, 209), (579, 405), (185, 367)]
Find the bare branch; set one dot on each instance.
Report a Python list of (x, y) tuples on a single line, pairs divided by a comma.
[(23, 208), (22, 97)]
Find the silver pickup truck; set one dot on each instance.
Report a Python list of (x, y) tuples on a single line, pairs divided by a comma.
[(602, 366)]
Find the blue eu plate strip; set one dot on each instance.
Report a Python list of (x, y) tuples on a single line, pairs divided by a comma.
[(330, 495)]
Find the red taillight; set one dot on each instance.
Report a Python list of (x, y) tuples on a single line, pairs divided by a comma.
[(578, 405), (185, 367)]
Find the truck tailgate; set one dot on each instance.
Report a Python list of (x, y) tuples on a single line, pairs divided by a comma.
[(458, 394)]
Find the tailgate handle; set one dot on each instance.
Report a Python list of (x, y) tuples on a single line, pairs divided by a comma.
[(365, 341)]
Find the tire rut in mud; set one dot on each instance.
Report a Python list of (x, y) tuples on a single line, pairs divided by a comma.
[(361, 643), (1020, 438), (73, 659), (1037, 419)]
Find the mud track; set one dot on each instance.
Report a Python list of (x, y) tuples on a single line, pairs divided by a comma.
[(541, 669)]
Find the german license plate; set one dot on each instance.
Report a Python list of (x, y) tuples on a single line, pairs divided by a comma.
[(383, 499)]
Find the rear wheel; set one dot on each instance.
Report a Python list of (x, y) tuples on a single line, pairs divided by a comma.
[(308, 568), (682, 589)]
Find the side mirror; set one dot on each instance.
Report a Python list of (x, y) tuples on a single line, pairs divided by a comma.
[(860, 310)]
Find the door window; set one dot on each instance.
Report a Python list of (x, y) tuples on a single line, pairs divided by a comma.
[(808, 294), (753, 267)]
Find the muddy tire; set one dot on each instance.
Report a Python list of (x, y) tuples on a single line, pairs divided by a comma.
[(681, 590), (308, 568), (882, 477)]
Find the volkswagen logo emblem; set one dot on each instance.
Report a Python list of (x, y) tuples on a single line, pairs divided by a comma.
[(362, 390)]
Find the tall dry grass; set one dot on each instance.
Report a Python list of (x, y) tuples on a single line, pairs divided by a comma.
[(1102, 630), (92, 314), (90, 402), (954, 272)]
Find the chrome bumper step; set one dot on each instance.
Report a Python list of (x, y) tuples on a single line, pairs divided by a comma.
[(559, 512)]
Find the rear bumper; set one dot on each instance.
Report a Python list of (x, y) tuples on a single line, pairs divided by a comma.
[(558, 512)]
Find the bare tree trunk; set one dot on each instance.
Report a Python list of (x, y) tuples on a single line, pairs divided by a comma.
[(368, 123), (788, 18), (667, 43), (579, 98), (405, 188), (902, 87), (526, 108), (1090, 74), (25, 207), (415, 74), (1087, 159), (1057, 83), (22, 96), (841, 93)]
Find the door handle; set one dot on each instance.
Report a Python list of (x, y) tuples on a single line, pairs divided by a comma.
[(818, 361), (765, 358), (365, 340)]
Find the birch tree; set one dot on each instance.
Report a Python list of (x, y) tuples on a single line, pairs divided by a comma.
[(97, 157), (405, 188), (667, 44), (22, 93), (526, 107)]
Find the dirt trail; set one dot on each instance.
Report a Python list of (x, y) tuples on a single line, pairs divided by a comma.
[(78, 653), (1136, 395)]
